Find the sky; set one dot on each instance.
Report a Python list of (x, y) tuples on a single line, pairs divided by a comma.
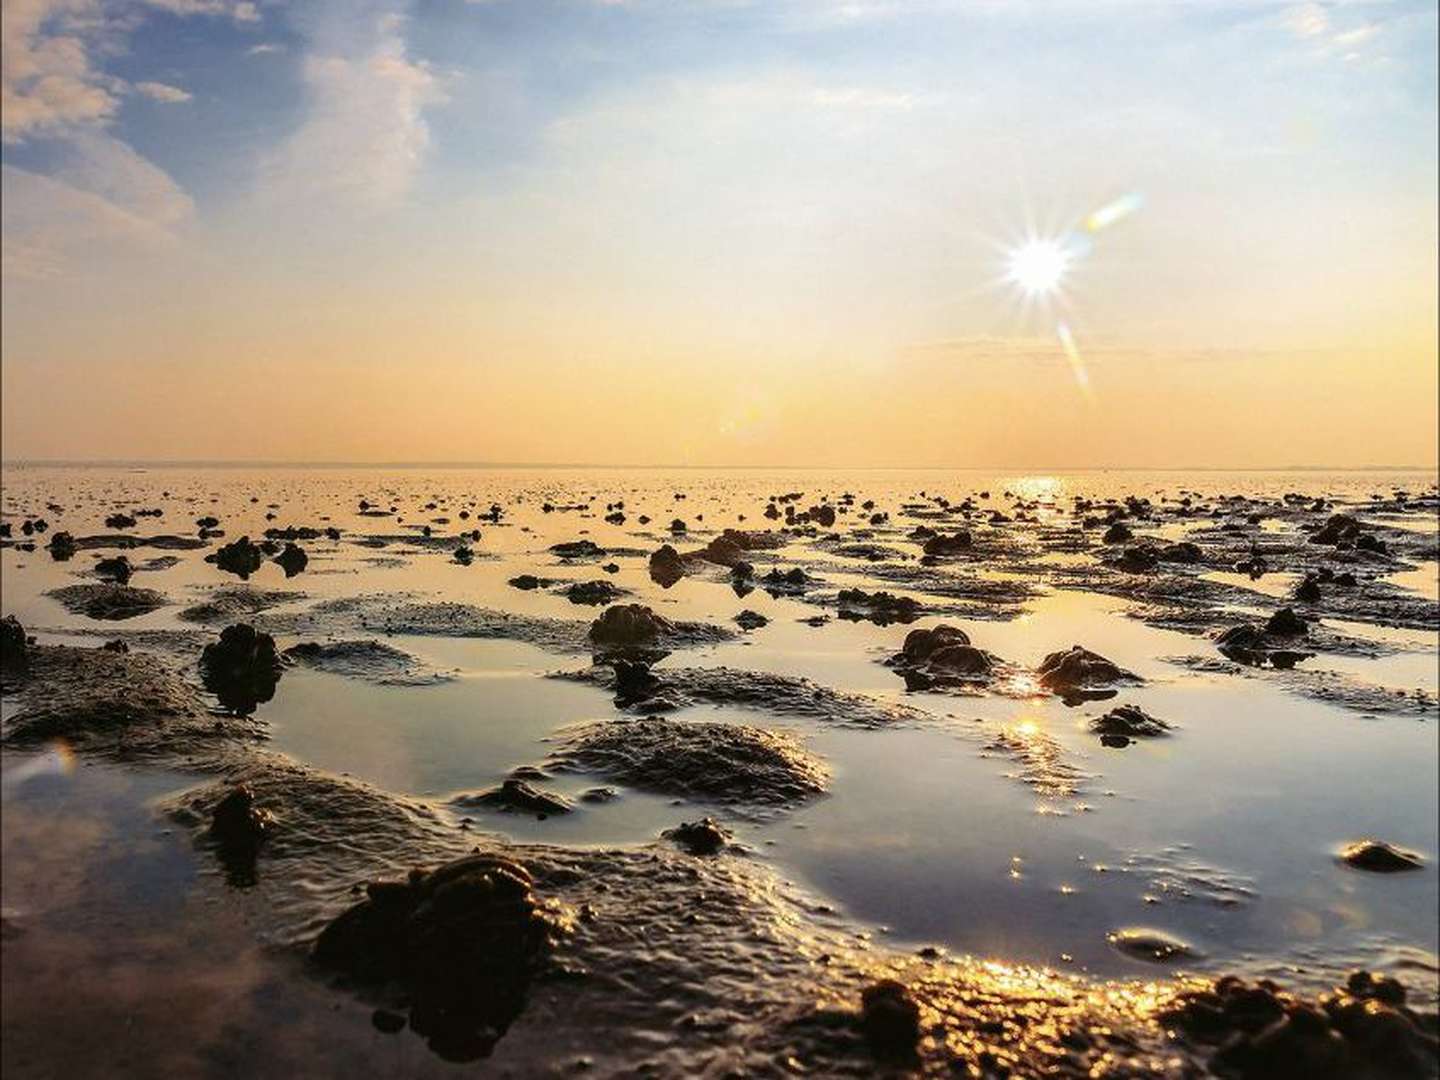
[(998, 233)]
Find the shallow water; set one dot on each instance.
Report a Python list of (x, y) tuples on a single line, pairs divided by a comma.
[(1222, 834)]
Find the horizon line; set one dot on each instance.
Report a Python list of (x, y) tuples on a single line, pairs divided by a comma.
[(283, 463)]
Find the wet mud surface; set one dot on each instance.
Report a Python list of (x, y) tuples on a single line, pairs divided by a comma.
[(726, 837)]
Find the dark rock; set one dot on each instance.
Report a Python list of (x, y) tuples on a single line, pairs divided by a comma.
[(117, 569), (62, 546), (591, 593), (292, 559), (241, 558), (515, 794), (1118, 533), (1285, 623), (1138, 560), (1182, 552), (119, 521), (241, 669), (1379, 857), (14, 649), (463, 942), (239, 827), (577, 549), (751, 620), (941, 545), (1309, 591), (666, 566), (703, 837), (1130, 721), (1078, 668), (890, 1019), (881, 608), (626, 625)]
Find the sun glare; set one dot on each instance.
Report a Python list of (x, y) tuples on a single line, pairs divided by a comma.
[(1038, 266)]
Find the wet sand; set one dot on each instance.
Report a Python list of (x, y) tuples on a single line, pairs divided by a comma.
[(882, 805)]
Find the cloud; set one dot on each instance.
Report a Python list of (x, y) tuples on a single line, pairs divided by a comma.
[(263, 48), (101, 199), (365, 136), (48, 81), (157, 91), (243, 11)]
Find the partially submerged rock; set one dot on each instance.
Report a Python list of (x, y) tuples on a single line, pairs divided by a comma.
[(292, 559), (890, 1018), (666, 566), (516, 794), (942, 656), (238, 828), (1256, 1031), (626, 625), (1131, 722), (729, 763), (591, 593), (108, 602), (463, 940), (241, 558), (703, 837), (1379, 857), (241, 669), (1077, 671), (117, 569), (881, 608), (14, 648)]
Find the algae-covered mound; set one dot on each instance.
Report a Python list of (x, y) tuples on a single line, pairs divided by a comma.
[(463, 940), (720, 762), (115, 702)]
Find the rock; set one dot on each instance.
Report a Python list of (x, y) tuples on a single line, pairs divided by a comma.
[(1379, 857), (1308, 591), (890, 1019), (292, 559), (117, 569), (374, 661), (751, 620), (1138, 560), (628, 625), (703, 837), (1182, 552), (1341, 529), (881, 608), (1118, 533), (463, 942), (1285, 623), (14, 648), (1360, 1030), (1130, 721), (238, 828), (241, 558), (666, 566), (577, 549), (241, 669), (1078, 668), (634, 681), (515, 794), (119, 521), (62, 546), (528, 582), (919, 644), (791, 581), (1150, 945), (941, 545), (591, 593)]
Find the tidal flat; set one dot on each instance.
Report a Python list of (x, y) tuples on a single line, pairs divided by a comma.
[(318, 771)]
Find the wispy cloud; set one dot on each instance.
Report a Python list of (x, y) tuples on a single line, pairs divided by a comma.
[(101, 197), (48, 80), (365, 135), (158, 91)]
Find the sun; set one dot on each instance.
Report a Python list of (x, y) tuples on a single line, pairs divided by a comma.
[(1038, 266)]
